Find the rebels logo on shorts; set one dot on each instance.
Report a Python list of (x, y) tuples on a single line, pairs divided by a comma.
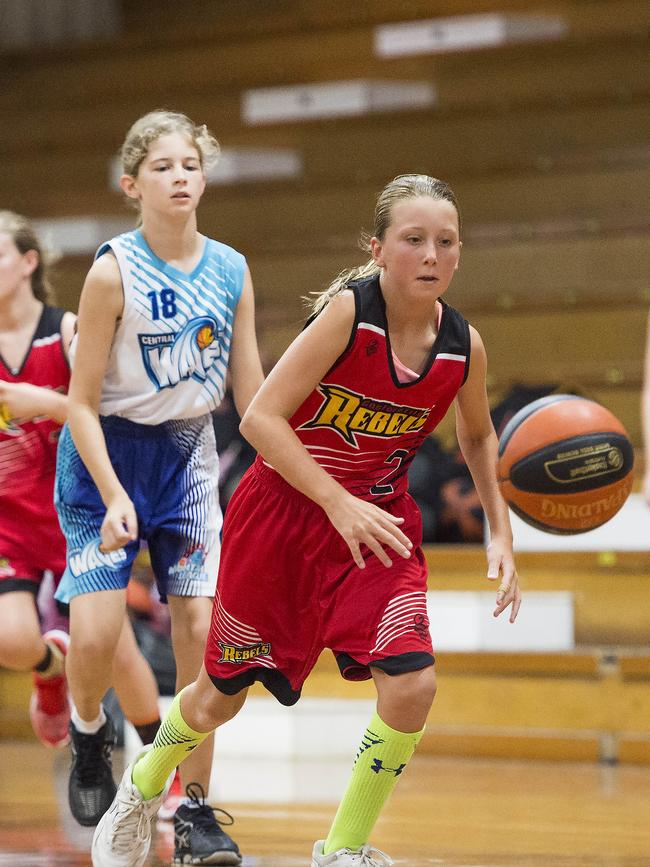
[(236, 653), (6, 569)]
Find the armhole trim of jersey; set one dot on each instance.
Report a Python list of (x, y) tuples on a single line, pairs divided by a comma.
[(468, 338)]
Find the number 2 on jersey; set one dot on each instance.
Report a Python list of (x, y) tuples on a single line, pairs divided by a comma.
[(383, 486)]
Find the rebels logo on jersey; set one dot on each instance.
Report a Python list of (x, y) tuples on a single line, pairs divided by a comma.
[(349, 413)]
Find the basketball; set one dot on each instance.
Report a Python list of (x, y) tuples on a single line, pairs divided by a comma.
[(565, 464)]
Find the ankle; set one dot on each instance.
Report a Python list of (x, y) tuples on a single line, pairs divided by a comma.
[(88, 727)]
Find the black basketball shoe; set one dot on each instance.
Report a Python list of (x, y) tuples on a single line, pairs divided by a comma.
[(198, 837), (91, 787)]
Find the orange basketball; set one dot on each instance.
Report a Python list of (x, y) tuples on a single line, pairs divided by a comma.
[(565, 464)]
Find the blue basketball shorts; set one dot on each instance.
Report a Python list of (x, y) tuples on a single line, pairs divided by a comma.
[(170, 471)]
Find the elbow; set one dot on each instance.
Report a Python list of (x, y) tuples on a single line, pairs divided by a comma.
[(248, 425)]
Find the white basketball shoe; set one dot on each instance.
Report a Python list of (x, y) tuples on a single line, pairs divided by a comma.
[(123, 835), (367, 856)]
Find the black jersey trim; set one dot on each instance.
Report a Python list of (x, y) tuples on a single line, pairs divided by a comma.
[(468, 339), (401, 663), (49, 323), (353, 286), (452, 336)]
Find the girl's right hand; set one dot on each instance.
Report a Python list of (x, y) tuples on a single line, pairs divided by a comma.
[(120, 524), (363, 523)]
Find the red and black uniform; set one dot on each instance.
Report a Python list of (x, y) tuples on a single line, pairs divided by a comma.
[(30, 538), (288, 586)]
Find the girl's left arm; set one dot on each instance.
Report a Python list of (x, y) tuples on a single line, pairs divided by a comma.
[(245, 365), (478, 443)]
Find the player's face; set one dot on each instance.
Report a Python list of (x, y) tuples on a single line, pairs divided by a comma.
[(421, 248), (15, 266), (170, 177)]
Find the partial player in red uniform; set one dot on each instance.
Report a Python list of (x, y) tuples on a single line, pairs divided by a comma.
[(34, 376), (321, 544)]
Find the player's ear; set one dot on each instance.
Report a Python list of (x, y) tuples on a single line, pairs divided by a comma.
[(30, 261), (377, 251), (128, 185), (460, 247)]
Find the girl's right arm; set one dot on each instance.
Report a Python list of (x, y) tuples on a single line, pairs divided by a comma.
[(100, 308), (266, 426)]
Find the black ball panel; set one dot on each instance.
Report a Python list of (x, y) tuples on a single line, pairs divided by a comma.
[(576, 464)]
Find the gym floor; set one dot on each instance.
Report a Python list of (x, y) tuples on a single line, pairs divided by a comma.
[(449, 812)]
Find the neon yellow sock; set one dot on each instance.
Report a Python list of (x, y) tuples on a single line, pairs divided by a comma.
[(382, 756), (173, 743)]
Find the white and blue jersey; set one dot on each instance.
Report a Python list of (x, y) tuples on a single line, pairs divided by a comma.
[(170, 351), (166, 372)]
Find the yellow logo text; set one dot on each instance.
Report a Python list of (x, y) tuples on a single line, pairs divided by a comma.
[(349, 413)]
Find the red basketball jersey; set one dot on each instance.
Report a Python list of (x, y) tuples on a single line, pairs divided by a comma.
[(362, 424), (28, 453)]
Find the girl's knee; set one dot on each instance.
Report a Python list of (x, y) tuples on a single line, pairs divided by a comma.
[(98, 647), (205, 708), (428, 685), (191, 620), (405, 700), (420, 691), (198, 628)]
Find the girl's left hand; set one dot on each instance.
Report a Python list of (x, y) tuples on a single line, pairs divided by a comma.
[(501, 563), (22, 400)]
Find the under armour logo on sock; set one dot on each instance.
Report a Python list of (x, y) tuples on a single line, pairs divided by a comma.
[(370, 739), (378, 765)]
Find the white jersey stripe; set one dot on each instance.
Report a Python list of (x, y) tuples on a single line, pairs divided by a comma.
[(449, 356), (370, 327)]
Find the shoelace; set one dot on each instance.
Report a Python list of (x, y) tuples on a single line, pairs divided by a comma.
[(88, 753), (368, 857), (130, 823), (204, 816)]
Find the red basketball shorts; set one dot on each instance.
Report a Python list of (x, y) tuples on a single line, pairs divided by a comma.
[(288, 588), (31, 543)]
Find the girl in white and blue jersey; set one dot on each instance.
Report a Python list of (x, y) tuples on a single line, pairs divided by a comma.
[(164, 314)]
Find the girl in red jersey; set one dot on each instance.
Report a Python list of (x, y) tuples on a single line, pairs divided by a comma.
[(34, 376), (321, 544)]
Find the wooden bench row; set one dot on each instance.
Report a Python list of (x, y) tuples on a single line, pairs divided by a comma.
[(611, 589), (228, 20), (206, 59), (582, 706)]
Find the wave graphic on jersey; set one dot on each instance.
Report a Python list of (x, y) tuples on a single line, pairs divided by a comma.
[(189, 353)]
